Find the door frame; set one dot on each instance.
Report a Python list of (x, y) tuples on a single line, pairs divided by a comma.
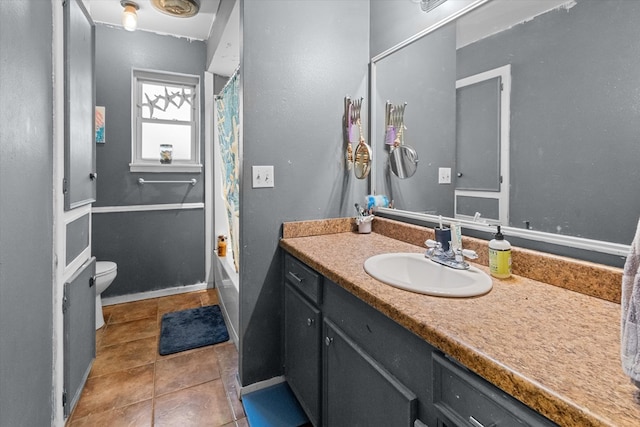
[(502, 196)]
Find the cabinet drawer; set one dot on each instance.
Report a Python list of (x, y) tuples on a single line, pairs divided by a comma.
[(463, 398), (303, 278)]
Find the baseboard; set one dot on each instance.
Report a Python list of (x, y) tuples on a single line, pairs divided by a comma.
[(119, 299), (259, 385)]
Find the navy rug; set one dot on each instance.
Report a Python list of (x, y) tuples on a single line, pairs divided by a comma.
[(193, 328)]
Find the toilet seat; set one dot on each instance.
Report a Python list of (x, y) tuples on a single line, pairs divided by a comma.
[(105, 267)]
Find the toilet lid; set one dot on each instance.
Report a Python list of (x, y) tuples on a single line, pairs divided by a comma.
[(105, 267)]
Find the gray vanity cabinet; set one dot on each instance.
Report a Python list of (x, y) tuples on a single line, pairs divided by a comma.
[(350, 365), (302, 329)]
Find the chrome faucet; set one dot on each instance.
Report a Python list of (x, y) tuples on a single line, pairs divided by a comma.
[(453, 258)]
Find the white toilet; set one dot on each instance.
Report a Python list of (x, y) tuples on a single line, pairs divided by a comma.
[(106, 271)]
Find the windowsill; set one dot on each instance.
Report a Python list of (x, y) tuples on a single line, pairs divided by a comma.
[(172, 168)]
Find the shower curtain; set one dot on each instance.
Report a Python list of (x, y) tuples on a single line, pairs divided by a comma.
[(228, 133)]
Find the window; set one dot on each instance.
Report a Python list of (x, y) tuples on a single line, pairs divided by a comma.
[(165, 122)]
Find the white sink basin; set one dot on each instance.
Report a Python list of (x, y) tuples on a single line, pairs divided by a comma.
[(414, 272)]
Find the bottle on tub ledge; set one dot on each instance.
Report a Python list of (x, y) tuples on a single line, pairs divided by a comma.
[(500, 256), (222, 245)]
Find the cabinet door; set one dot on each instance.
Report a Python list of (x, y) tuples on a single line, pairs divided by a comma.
[(79, 318), (357, 391), (302, 351), (79, 129)]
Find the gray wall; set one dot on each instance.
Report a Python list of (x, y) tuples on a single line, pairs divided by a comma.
[(26, 213), (574, 117), (297, 67), (153, 250)]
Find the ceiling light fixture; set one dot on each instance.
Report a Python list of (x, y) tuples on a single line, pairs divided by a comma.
[(429, 5), (179, 8), (129, 15)]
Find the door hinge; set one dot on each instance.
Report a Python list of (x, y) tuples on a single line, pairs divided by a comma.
[(500, 179), (92, 281), (501, 87), (65, 302), (64, 398), (65, 186)]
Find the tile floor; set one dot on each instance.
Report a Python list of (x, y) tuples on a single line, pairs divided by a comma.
[(130, 384)]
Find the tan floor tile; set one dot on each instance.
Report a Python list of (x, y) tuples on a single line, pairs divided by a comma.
[(99, 336), (115, 390), (136, 415), (200, 406), (130, 331), (106, 312), (228, 361), (178, 302), (122, 397), (242, 422), (186, 370), (133, 311), (123, 356), (209, 297)]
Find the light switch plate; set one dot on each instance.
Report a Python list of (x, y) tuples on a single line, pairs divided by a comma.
[(444, 175), (262, 176)]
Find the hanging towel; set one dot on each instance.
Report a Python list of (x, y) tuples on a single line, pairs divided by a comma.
[(630, 322)]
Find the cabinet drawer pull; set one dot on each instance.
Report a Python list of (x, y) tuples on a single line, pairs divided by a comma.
[(309, 322), (476, 423), (296, 277), (328, 341)]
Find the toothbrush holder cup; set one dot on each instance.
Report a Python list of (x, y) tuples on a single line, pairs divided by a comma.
[(443, 236)]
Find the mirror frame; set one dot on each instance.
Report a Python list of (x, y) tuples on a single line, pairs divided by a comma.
[(599, 246)]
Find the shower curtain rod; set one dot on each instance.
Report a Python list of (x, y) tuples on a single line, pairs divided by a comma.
[(236, 71)]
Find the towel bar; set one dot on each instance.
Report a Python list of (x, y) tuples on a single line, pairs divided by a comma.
[(142, 181)]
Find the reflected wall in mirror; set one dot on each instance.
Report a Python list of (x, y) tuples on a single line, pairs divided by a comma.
[(574, 115)]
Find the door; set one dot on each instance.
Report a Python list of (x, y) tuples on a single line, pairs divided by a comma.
[(79, 322), (482, 145), (79, 185)]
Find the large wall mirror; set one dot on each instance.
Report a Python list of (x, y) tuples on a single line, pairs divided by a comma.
[(534, 108)]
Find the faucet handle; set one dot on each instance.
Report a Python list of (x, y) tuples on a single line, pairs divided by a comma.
[(469, 253), (432, 243)]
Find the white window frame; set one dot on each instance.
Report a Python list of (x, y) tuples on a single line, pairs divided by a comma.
[(138, 164)]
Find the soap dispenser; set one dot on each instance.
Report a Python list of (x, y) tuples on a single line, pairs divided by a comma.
[(499, 256)]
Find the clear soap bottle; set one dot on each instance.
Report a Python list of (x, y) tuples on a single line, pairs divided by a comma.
[(500, 256)]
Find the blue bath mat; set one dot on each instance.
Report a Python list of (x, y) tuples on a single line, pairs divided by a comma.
[(192, 328), (274, 406)]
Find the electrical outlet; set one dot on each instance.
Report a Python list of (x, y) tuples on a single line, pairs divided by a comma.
[(262, 176), (444, 175)]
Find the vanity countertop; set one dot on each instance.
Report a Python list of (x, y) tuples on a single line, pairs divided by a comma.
[(554, 349)]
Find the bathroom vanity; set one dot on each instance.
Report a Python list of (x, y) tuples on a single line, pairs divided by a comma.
[(359, 352)]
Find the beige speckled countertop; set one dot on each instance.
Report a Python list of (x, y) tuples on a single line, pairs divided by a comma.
[(554, 349)]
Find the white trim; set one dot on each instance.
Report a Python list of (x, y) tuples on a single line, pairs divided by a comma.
[(59, 229), (146, 208), (600, 246), (429, 29), (502, 196), (172, 168), (260, 385), (209, 114), (77, 262), (121, 299), (76, 213)]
